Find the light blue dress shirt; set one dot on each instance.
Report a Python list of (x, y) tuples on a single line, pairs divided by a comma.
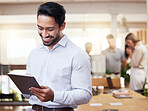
[(65, 69)]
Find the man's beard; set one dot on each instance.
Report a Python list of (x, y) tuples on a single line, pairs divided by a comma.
[(53, 41)]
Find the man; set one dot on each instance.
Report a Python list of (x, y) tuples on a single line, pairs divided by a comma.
[(138, 62), (88, 47), (61, 68), (114, 56)]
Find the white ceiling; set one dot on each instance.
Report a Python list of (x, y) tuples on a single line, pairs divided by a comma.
[(31, 1), (105, 17), (73, 18)]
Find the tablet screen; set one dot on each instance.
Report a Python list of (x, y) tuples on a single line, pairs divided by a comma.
[(24, 82)]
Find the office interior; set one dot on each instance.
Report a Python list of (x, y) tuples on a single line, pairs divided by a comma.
[(86, 21)]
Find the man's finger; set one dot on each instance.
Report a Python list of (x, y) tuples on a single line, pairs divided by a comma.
[(36, 89), (40, 98), (44, 87), (37, 93)]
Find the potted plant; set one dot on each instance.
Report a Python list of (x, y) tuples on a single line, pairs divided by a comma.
[(125, 75)]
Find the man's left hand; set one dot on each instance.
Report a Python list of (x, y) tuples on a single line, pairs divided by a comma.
[(44, 94)]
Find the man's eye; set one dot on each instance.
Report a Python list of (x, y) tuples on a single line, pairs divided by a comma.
[(40, 28), (50, 29)]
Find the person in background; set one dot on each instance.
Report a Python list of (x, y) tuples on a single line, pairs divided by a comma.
[(114, 57), (128, 54), (138, 62), (88, 47), (60, 67)]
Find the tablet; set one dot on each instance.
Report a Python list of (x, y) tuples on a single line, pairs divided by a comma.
[(24, 82), (122, 96)]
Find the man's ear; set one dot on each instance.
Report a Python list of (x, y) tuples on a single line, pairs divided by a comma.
[(62, 27)]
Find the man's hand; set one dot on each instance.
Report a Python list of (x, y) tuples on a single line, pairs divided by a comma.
[(45, 94)]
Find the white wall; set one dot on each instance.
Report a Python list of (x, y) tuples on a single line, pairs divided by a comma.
[(18, 36), (26, 21)]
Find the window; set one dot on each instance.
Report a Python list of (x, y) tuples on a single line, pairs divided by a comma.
[(97, 36)]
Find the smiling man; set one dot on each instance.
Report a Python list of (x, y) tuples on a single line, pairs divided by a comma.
[(61, 68), (49, 30)]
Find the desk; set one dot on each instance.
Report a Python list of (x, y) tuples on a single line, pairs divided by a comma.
[(137, 103)]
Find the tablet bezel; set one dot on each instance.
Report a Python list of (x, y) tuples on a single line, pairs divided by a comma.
[(24, 82)]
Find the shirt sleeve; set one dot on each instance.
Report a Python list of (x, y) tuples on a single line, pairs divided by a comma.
[(143, 61), (28, 66), (80, 81)]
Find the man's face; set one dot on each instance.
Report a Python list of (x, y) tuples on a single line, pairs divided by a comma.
[(48, 29), (130, 43), (111, 42), (88, 47)]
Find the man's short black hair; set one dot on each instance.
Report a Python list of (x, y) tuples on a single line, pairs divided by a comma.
[(54, 10)]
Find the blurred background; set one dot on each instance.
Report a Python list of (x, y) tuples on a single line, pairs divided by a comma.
[(87, 21)]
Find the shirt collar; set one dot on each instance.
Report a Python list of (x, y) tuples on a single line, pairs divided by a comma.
[(112, 50), (42, 46), (139, 43), (62, 42)]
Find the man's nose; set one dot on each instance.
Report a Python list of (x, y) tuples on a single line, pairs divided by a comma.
[(44, 33)]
